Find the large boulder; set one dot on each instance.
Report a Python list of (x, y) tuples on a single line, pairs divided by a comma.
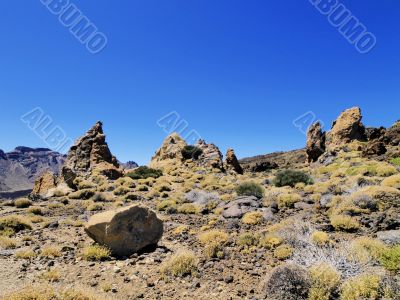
[(44, 184), (287, 282), (126, 230), (239, 207), (374, 148), (231, 162), (315, 142), (347, 128)]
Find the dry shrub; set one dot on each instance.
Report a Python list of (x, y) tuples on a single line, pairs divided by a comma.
[(181, 264)]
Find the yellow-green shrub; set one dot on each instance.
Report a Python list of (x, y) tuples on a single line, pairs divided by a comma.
[(325, 279), (189, 208), (181, 264), (283, 252), (366, 249), (320, 238), (270, 241), (288, 200), (22, 203), (7, 243), (96, 253), (390, 259), (344, 223), (392, 181), (252, 218), (361, 287)]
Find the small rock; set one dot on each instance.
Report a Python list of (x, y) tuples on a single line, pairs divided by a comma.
[(391, 237), (228, 279)]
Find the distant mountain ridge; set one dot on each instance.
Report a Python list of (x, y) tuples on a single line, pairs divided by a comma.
[(20, 167)]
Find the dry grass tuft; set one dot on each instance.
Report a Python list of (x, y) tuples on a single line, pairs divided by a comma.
[(96, 253), (181, 264)]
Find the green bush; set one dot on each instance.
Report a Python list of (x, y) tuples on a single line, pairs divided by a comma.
[(390, 259), (144, 172), (291, 178), (191, 152), (250, 189), (395, 161)]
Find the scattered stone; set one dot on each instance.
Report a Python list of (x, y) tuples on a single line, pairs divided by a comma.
[(390, 237), (201, 197), (6, 253), (240, 206), (125, 230)]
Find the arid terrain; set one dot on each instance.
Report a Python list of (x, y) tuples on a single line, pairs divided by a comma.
[(319, 223)]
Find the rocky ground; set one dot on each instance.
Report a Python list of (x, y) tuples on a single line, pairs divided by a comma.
[(329, 229)]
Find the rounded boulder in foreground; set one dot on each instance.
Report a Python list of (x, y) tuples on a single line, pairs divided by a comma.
[(126, 230)]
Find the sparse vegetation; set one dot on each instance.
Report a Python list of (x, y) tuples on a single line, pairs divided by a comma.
[(344, 223), (82, 194), (7, 243), (50, 251), (325, 279), (252, 218), (25, 254), (291, 178), (36, 210), (288, 200), (283, 252), (22, 203), (250, 189), (181, 264), (320, 238), (361, 287), (189, 209), (390, 259), (191, 152), (96, 253), (214, 242), (395, 161), (144, 173), (12, 224)]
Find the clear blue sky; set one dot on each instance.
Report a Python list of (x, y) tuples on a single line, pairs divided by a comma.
[(239, 72)]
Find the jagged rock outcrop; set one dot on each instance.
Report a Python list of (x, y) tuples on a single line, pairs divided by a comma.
[(44, 183), (89, 153), (392, 135), (347, 128), (231, 162), (170, 152), (375, 148), (315, 142), (20, 167), (374, 133), (211, 158), (125, 230)]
